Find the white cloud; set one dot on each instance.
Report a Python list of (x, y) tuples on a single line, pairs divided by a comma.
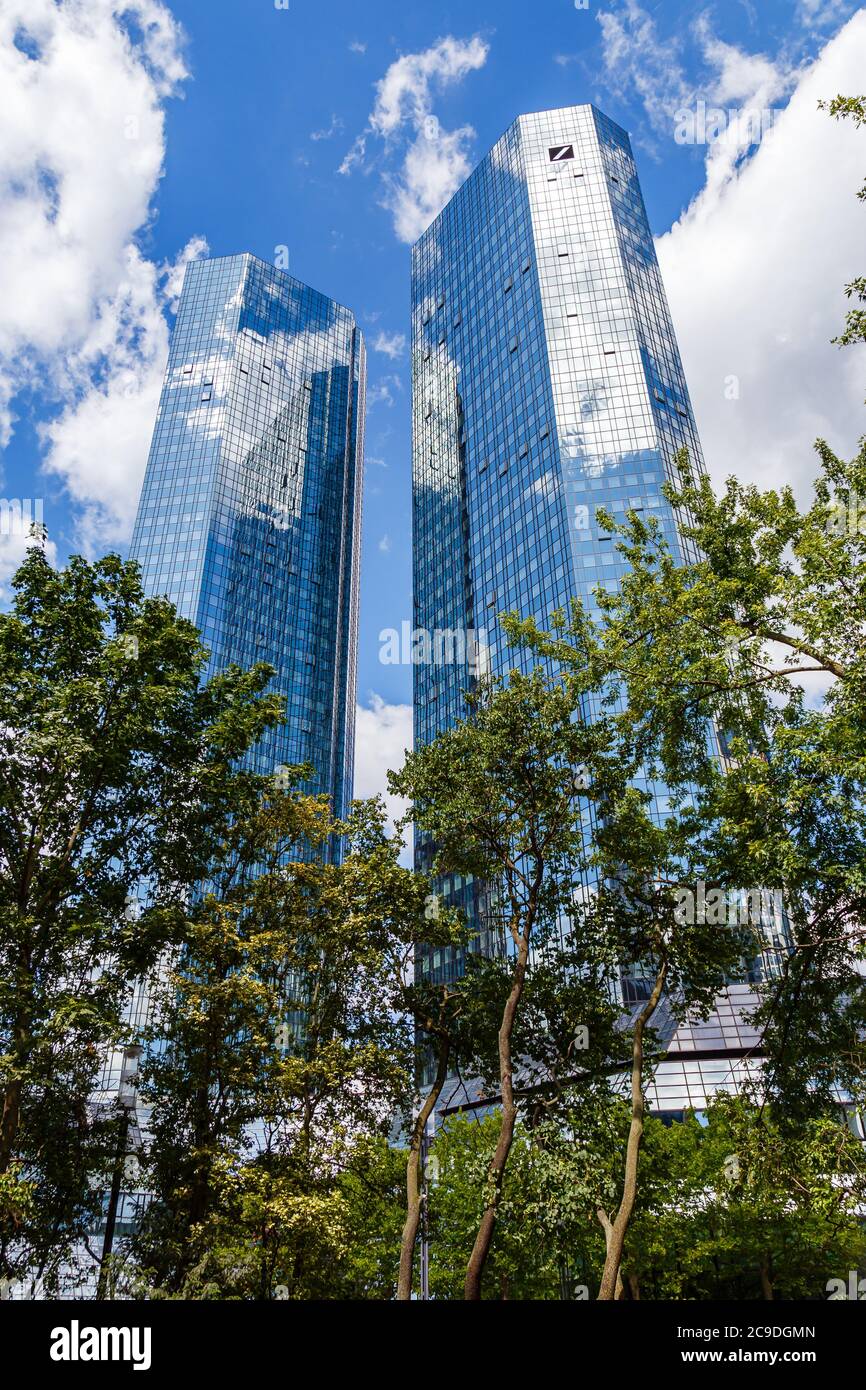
[(354, 155), (638, 61), (754, 271), (751, 78), (81, 149), (820, 13), (392, 344), (404, 92), (195, 248), (329, 131), (433, 169), (98, 444), (383, 391), (635, 58), (385, 544), (357, 47), (435, 161), (383, 735)]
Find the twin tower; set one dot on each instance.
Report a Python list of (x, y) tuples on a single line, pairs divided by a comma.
[(546, 380)]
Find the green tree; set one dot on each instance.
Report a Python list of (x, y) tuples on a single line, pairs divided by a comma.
[(852, 109), (664, 963), (116, 769), (736, 1205), (284, 1047), (527, 1257), (496, 795)]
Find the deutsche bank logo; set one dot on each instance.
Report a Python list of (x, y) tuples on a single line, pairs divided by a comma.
[(561, 152)]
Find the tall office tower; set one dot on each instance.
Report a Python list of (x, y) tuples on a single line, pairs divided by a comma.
[(250, 512), (546, 380), (250, 522)]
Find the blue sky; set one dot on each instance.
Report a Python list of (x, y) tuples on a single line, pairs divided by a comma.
[(136, 133)]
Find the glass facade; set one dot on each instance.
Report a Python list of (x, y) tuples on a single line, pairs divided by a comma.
[(250, 511), (249, 521), (546, 381)]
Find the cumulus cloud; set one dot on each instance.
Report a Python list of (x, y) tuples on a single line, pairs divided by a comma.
[(383, 735), (392, 344), (754, 270), (433, 161), (82, 141), (98, 444)]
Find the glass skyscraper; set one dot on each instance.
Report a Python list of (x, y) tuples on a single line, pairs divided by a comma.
[(546, 381), (250, 511), (249, 521)]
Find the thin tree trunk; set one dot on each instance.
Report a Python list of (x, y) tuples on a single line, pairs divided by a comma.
[(103, 1286), (496, 1171), (9, 1123), (607, 1227), (413, 1174), (610, 1278), (11, 1118), (766, 1281)]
